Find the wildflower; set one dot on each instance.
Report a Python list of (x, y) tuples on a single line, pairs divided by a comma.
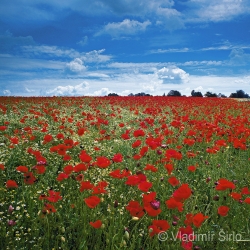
[(97, 224), (92, 201), (11, 184), (135, 209), (158, 226), (173, 181), (224, 184), (223, 210), (182, 193)]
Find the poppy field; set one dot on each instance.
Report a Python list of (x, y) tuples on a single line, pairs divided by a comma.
[(124, 173)]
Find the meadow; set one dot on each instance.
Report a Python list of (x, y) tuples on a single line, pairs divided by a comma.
[(124, 173)]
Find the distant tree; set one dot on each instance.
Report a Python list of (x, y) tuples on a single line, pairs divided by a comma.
[(196, 94), (131, 94), (113, 94), (239, 94), (174, 93), (222, 96), (164, 94), (142, 94), (210, 94)]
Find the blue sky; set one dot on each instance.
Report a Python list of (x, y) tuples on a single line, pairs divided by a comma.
[(82, 47)]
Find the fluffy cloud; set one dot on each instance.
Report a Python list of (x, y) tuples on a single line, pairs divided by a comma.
[(76, 66), (102, 92), (173, 75), (69, 90), (126, 27), (214, 10)]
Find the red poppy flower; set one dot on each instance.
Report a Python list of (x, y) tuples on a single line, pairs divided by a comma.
[(145, 186), (172, 203), (245, 191), (92, 201), (22, 169), (80, 167), (158, 226), (117, 157), (97, 224), (143, 150), (133, 180), (11, 184), (151, 168), (198, 219), (2, 167), (135, 209), (223, 210), (40, 169), (247, 200), (225, 184), (53, 196), (171, 153), (49, 208), (86, 185), (151, 205), (85, 157), (182, 193), (102, 162), (169, 168), (47, 138), (81, 131), (138, 133), (3, 128), (62, 176), (29, 178), (186, 234), (68, 169), (136, 144), (191, 168), (173, 181), (235, 196)]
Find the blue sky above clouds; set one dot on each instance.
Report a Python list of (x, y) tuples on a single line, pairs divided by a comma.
[(82, 47)]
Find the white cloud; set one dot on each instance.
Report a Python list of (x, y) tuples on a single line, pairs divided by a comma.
[(69, 90), (214, 10), (76, 66), (169, 18), (239, 57), (124, 28), (102, 92), (95, 56), (50, 51), (6, 92), (84, 41), (29, 90), (173, 75)]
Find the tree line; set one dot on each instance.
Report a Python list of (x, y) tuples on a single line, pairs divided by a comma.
[(237, 94)]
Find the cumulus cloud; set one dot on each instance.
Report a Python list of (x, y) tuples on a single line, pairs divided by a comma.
[(173, 75), (76, 66), (69, 90), (124, 28), (102, 92)]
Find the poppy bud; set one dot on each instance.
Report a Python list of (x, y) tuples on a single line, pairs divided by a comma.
[(115, 204), (216, 197)]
